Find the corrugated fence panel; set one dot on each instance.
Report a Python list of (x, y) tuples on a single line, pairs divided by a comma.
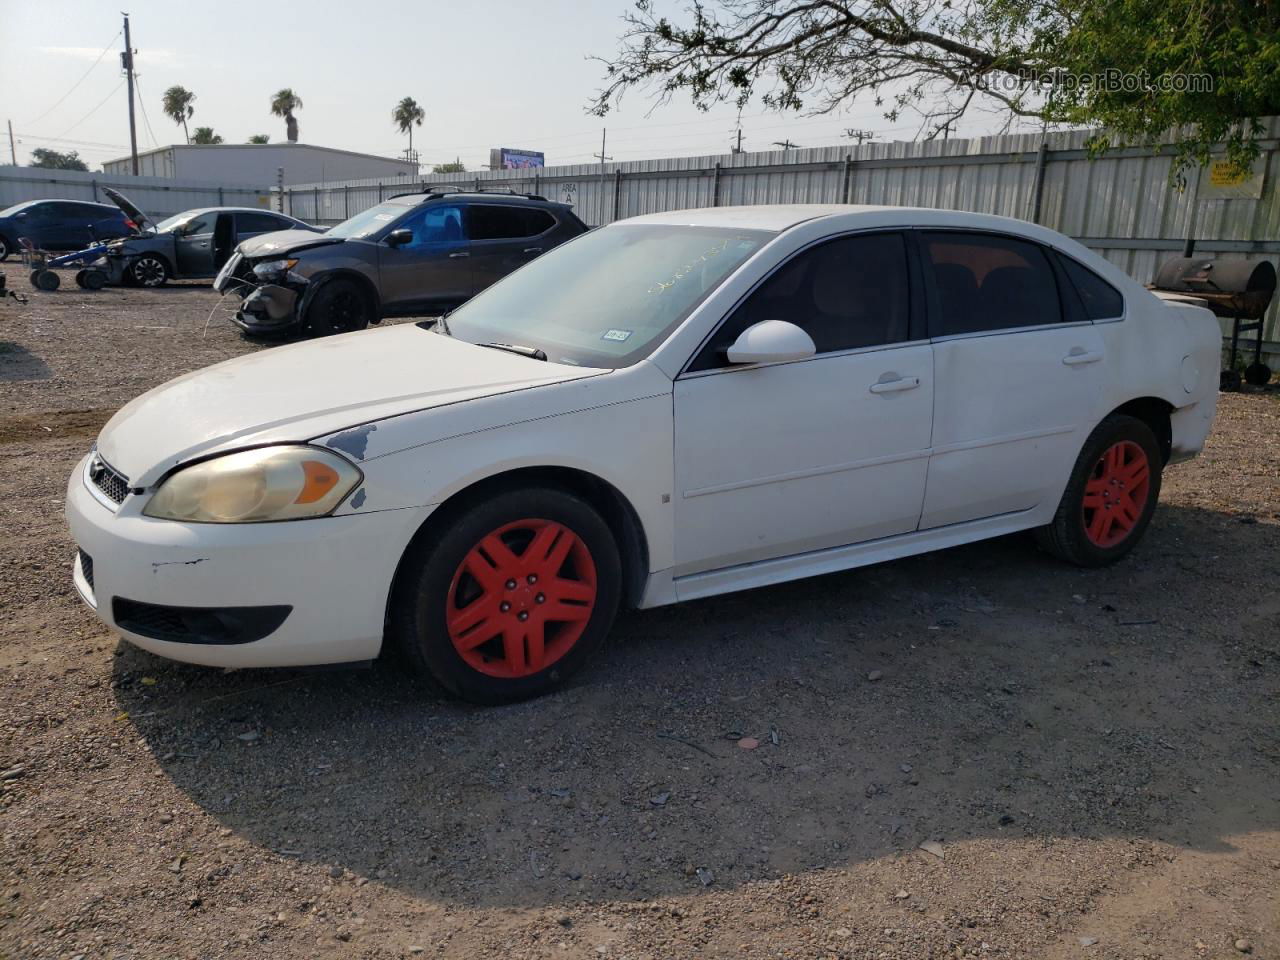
[(1121, 203), (158, 197)]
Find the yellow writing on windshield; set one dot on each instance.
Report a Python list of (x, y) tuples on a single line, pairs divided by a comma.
[(662, 286)]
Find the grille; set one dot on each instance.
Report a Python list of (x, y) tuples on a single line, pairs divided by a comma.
[(86, 568), (109, 480), (214, 625)]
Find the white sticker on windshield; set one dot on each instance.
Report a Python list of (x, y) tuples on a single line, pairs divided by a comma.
[(382, 216), (618, 335)]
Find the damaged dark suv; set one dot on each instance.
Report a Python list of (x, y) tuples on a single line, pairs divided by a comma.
[(416, 254)]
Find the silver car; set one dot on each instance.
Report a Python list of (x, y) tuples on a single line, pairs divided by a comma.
[(191, 245)]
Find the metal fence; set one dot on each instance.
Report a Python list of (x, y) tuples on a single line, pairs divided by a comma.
[(1121, 205), (158, 197)]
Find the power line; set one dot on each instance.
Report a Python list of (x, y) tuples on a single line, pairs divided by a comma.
[(74, 142), (109, 45), (137, 81)]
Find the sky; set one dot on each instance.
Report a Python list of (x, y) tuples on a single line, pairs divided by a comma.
[(488, 73)]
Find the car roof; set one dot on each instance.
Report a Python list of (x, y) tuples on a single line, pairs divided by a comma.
[(783, 216), (198, 210)]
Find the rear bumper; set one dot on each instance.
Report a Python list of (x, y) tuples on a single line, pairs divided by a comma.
[(334, 574)]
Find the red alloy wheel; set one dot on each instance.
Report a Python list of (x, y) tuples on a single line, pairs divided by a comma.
[(521, 598), (1116, 493)]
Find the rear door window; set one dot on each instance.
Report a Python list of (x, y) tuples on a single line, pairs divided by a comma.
[(989, 282), (494, 222), (259, 223)]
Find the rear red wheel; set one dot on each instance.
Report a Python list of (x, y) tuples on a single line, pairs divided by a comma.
[(505, 599), (521, 598), (1115, 496), (1110, 496)]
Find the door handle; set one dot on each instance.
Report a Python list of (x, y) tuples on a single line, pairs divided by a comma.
[(1075, 359), (532, 249), (459, 255), (894, 386)]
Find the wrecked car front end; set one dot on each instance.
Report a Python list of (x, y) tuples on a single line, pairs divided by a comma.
[(274, 279)]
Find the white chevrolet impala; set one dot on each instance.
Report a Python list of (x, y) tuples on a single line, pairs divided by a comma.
[(670, 407)]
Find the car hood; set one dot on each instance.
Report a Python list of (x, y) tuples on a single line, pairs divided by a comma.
[(284, 241), (306, 390), (128, 207)]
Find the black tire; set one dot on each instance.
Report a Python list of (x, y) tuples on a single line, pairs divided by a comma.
[(6, 248), (80, 279), (1098, 531), (1257, 374), (149, 270), (94, 279), (339, 306), (45, 280), (1229, 381), (432, 581)]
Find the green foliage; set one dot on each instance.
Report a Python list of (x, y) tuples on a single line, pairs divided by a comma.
[(177, 107), (1197, 72), (453, 166), (259, 138), (53, 160), (205, 135)]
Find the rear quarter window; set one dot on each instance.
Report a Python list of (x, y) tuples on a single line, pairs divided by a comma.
[(1100, 299)]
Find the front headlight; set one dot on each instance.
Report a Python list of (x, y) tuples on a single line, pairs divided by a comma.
[(255, 486), (274, 267)]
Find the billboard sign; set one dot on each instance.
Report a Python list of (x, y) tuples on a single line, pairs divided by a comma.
[(507, 158)]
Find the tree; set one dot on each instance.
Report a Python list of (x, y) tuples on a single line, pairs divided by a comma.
[(53, 160), (178, 108), (259, 138), (406, 115), (285, 104), (205, 135), (453, 166), (940, 59)]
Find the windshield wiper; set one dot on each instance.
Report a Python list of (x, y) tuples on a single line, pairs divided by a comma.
[(518, 348)]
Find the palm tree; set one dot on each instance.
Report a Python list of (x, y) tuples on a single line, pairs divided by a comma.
[(283, 104), (205, 135), (178, 108), (405, 115), (259, 138)]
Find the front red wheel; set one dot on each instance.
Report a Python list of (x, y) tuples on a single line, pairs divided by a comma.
[(521, 598), (1110, 496), (506, 599)]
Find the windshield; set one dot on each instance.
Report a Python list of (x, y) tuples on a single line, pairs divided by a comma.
[(609, 297), (369, 221), (170, 223)]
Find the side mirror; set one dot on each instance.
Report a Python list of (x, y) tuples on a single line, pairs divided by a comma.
[(20, 215), (398, 238), (771, 341)]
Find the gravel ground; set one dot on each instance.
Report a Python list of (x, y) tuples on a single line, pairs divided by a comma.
[(977, 753)]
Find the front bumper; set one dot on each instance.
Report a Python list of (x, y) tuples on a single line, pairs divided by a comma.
[(269, 308), (335, 574)]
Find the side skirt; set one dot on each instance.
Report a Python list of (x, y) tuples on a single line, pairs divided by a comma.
[(763, 573)]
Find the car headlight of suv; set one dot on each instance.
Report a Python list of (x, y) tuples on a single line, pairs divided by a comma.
[(256, 486), (273, 268)]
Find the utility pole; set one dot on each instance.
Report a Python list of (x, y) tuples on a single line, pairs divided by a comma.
[(126, 61), (13, 153), (785, 144), (602, 158), (737, 147), (860, 136)]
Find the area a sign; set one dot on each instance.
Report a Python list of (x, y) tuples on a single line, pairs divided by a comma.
[(1221, 181)]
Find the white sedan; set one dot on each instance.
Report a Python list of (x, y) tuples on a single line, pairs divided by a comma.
[(674, 406)]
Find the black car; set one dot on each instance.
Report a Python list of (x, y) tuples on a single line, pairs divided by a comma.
[(414, 254), (60, 224)]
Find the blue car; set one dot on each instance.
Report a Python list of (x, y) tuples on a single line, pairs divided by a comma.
[(61, 224)]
